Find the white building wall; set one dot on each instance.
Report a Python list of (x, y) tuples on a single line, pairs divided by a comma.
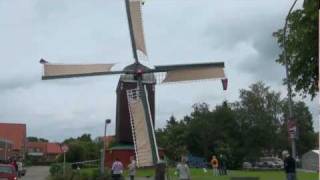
[(310, 160)]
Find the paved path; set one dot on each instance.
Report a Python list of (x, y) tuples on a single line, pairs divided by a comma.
[(36, 173)]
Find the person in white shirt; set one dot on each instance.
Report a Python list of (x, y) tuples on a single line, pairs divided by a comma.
[(117, 169), (132, 168), (183, 170)]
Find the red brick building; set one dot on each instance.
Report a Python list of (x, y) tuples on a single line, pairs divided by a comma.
[(15, 136), (107, 139), (44, 151)]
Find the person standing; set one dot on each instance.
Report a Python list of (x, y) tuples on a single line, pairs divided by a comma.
[(290, 167), (183, 170), (132, 168), (222, 165), (160, 170), (117, 169), (15, 165), (215, 164)]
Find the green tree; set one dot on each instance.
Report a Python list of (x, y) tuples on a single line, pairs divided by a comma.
[(173, 138), (35, 139), (245, 130), (82, 148), (85, 138), (302, 48), (259, 112)]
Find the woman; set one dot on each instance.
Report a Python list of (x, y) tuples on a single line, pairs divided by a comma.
[(215, 165), (117, 169), (183, 170), (132, 168)]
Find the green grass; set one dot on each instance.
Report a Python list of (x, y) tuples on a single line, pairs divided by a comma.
[(198, 174)]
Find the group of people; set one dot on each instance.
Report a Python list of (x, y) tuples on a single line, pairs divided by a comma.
[(117, 169), (183, 172), (182, 169), (219, 166)]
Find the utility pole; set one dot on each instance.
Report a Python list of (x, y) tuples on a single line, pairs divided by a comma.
[(65, 149), (103, 150), (287, 63)]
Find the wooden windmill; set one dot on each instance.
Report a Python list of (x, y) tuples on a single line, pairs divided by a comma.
[(135, 111)]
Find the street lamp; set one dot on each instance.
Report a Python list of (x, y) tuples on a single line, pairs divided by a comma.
[(107, 121), (286, 61)]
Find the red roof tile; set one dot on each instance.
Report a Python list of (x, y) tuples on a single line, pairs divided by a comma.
[(53, 148), (42, 146), (45, 147), (15, 133)]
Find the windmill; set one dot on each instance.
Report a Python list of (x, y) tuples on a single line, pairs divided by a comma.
[(135, 92)]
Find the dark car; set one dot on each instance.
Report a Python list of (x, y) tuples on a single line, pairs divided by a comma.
[(7, 172)]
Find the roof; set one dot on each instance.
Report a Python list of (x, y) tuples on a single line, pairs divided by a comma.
[(54, 148), (122, 147), (316, 151), (46, 147), (14, 132), (41, 145)]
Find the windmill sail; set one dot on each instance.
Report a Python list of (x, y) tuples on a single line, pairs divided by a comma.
[(136, 26), (142, 128), (55, 71), (191, 72)]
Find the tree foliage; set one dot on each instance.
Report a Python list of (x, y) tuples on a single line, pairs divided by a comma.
[(36, 139), (302, 48), (82, 148), (245, 130)]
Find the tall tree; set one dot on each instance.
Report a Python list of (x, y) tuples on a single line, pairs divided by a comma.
[(259, 111), (35, 139), (173, 138), (302, 48)]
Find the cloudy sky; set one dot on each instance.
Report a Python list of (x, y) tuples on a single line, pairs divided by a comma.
[(238, 32)]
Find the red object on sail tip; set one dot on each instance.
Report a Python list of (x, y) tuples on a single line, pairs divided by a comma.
[(224, 83)]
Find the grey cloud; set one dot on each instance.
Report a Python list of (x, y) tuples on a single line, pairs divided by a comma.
[(253, 32), (18, 82)]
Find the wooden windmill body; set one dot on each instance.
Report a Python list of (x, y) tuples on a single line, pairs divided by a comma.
[(135, 108), (123, 122)]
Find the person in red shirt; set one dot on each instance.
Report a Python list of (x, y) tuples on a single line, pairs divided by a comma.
[(215, 164)]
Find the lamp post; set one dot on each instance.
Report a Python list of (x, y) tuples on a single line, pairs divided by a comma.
[(107, 121), (286, 61)]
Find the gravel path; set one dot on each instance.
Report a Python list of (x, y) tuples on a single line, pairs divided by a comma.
[(36, 173)]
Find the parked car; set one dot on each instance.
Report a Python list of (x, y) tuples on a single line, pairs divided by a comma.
[(270, 162), (246, 165), (7, 172)]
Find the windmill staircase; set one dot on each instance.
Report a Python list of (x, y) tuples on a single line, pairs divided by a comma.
[(142, 128)]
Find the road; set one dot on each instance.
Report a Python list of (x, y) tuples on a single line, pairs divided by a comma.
[(36, 173)]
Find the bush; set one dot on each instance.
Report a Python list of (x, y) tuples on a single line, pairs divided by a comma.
[(96, 175), (56, 171)]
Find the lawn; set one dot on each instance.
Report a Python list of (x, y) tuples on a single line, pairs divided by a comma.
[(199, 174)]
